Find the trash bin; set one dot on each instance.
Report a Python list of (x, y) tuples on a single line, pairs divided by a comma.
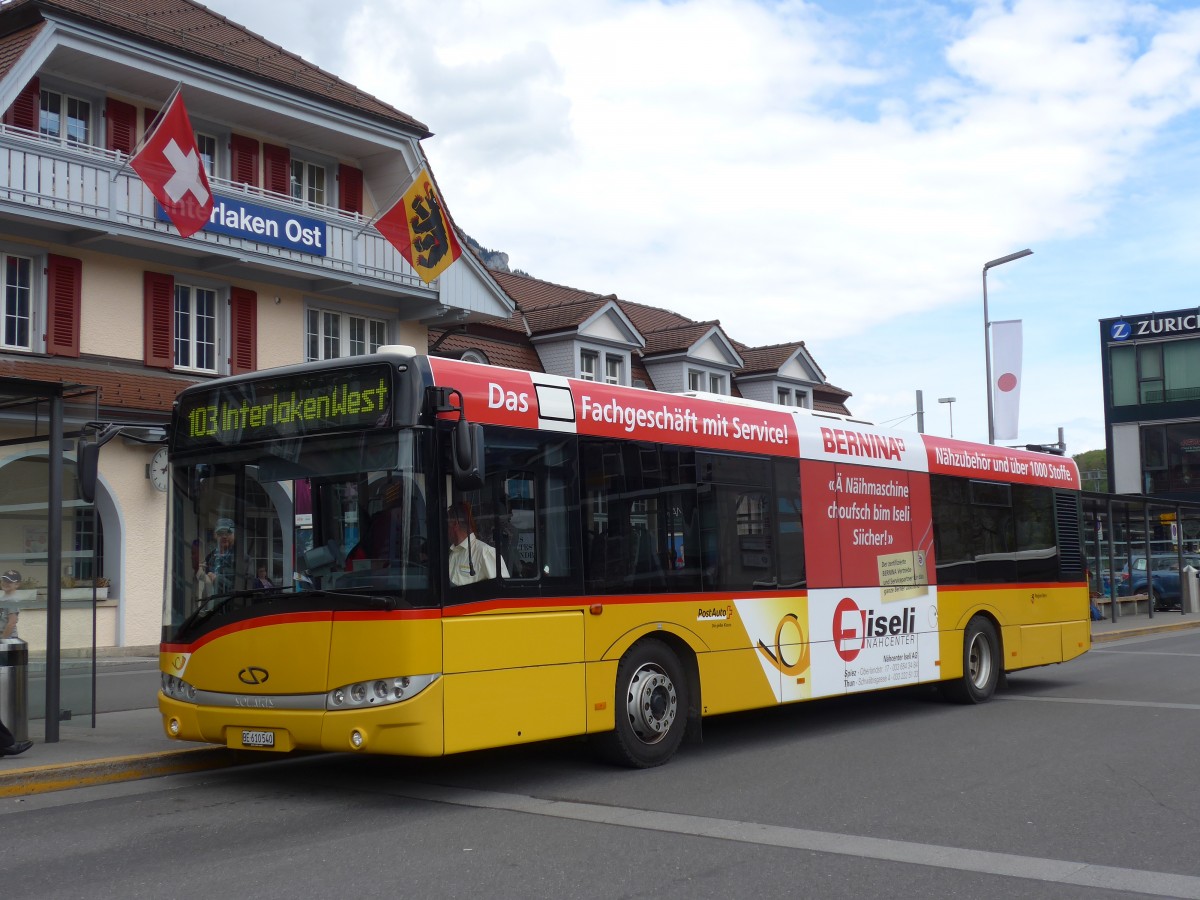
[(1189, 588), (14, 681)]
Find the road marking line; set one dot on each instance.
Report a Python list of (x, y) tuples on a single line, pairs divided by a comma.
[(1056, 871), (1146, 652), (1143, 703)]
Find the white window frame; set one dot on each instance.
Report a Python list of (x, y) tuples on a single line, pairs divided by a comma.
[(192, 290), (220, 138), (65, 97), (710, 381), (211, 160), (591, 370), (37, 297), (35, 313), (614, 368), (374, 333), (301, 187), (797, 397), (474, 356)]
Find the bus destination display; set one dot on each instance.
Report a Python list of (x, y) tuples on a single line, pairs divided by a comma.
[(287, 407)]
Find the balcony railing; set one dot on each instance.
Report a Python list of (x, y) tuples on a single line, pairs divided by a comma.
[(79, 186)]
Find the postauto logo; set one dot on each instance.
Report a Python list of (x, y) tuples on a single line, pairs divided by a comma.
[(1120, 331)]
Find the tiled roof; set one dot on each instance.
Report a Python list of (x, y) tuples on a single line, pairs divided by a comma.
[(830, 407), (195, 30), (530, 293), (649, 319), (119, 388), (678, 338), (13, 45), (498, 352), (565, 316), (768, 359)]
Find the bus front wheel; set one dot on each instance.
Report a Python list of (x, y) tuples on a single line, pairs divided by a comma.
[(651, 707), (981, 664)]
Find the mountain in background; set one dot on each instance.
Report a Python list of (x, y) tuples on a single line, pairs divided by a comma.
[(493, 259)]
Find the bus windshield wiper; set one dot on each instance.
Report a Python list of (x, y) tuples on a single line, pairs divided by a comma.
[(214, 603), (370, 600)]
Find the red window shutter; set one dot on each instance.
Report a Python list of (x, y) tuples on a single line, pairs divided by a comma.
[(122, 126), (243, 314), (149, 117), (159, 320), (350, 189), (243, 159), (277, 169), (25, 109), (64, 293)]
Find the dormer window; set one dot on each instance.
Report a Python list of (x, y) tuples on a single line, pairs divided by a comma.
[(613, 369), (700, 380), (589, 362), (793, 397)]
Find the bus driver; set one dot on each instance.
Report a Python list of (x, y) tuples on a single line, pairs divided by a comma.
[(471, 559)]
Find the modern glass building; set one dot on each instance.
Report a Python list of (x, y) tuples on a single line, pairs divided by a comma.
[(1151, 366)]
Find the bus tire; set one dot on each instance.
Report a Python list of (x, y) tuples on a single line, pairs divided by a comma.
[(651, 707), (982, 664)]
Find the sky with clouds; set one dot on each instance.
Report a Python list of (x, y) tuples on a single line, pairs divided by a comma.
[(836, 171)]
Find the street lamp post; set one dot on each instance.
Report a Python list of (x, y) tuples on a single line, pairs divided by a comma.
[(950, 406), (987, 342)]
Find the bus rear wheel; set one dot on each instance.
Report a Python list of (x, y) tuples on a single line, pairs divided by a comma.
[(981, 664), (651, 707)]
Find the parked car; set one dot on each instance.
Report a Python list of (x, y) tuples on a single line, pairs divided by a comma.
[(1163, 576)]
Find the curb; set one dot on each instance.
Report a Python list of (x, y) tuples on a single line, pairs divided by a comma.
[(44, 779), (1104, 637)]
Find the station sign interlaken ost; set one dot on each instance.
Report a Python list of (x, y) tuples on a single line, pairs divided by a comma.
[(238, 218)]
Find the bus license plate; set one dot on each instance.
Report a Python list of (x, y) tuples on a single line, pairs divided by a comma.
[(258, 738)]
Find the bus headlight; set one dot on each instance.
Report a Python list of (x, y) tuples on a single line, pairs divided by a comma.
[(379, 692), (177, 688)]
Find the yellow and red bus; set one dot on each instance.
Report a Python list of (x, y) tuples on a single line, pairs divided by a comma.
[(421, 556)]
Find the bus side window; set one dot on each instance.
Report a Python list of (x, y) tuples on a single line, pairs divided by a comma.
[(790, 522), (737, 522), (526, 511)]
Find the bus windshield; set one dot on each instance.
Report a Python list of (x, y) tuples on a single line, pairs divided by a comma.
[(329, 522)]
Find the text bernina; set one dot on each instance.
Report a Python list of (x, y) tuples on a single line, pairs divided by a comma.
[(254, 702), (855, 443)]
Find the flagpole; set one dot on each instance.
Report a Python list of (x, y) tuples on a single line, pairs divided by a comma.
[(149, 132)]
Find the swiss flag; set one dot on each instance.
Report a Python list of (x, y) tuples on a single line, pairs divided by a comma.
[(170, 165)]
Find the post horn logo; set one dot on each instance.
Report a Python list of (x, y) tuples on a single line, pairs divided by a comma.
[(253, 675)]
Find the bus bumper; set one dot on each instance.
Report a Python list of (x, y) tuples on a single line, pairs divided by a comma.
[(410, 728)]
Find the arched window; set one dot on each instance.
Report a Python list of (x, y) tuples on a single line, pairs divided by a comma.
[(25, 523)]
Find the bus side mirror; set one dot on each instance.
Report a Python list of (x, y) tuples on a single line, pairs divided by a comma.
[(87, 460), (466, 453)]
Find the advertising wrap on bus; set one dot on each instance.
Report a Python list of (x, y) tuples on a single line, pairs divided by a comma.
[(520, 399), (424, 556)]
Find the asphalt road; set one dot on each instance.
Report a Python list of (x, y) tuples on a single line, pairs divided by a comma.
[(1078, 781)]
